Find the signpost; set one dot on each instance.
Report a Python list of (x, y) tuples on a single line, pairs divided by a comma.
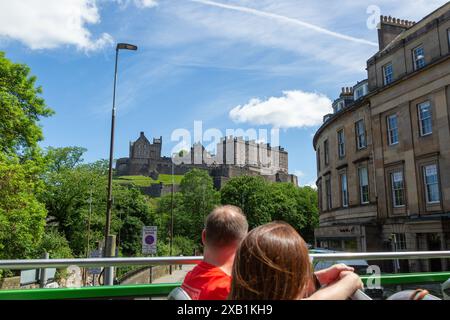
[(149, 239), (96, 254)]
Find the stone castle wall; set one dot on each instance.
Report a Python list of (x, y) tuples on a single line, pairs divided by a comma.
[(145, 159)]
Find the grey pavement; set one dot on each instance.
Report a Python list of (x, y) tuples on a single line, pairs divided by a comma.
[(176, 276)]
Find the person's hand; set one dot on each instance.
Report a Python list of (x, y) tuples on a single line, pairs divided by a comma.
[(342, 288), (353, 280), (331, 274)]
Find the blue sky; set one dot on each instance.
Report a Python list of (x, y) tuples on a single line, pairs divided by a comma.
[(228, 63)]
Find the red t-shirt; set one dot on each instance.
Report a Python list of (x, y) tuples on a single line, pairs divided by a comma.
[(207, 282)]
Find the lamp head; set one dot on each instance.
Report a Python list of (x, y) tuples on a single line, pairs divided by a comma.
[(126, 46)]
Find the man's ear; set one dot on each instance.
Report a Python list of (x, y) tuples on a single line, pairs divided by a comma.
[(204, 236)]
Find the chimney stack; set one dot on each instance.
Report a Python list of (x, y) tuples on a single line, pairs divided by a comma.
[(389, 28), (347, 91)]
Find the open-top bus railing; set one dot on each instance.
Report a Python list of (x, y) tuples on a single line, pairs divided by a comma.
[(151, 290), (154, 261)]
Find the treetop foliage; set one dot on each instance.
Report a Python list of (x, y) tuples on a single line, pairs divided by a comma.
[(21, 107)]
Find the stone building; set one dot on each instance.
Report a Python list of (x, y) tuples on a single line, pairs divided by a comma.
[(383, 156), (234, 156)]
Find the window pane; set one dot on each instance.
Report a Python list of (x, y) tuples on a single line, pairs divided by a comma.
[(363, 176), (359, 93), (431, 184), (448, 36), (425, 119), (360, 134), (419, 58), (344, 190), (328, 190), (388, 73), (341, 143), (433, 193), (363, 184), (398, 193), (392, 130), (319, 190), (399, 241), (318, 159)]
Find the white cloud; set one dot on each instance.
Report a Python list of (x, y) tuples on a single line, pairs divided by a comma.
[(304, 180), (299, 173), (288, 20), (138, 3), (47, 24), (311, 184), (307, 34), (145, 3), (294, 109)]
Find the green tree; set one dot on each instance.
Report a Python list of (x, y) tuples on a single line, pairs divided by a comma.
[(22, 216), (132, 212), (264, 201), (184, 246), (307, 201), (75, 200), (251, 194), (196, 199), (21, 108), (55, 244), (284, 204), (199, 199), (59, 159), (75, 197), (162, 217)]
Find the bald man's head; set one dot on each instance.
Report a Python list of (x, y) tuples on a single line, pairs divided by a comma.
[(225, 226)]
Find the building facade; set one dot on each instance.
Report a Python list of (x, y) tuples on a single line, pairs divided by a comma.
[(383, 156)]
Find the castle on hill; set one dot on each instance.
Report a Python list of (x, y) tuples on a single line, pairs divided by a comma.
[(234, 157)]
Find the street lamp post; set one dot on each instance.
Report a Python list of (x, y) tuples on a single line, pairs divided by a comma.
[(109, 246), (171, 221)]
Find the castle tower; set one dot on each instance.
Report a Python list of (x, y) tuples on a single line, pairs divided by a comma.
[(156, 147), (140, 149)]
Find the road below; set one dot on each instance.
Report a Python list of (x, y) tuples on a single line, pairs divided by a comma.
[(177, 274)]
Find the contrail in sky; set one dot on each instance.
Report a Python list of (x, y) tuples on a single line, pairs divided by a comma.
[(285, 19)]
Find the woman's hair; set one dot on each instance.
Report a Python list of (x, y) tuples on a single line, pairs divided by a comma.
[(272, 263)]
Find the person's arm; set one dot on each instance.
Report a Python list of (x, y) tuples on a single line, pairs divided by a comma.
[(341, 289), (331, 274)]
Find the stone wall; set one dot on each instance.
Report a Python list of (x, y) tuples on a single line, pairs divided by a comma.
[(10, 283), (157, 190)]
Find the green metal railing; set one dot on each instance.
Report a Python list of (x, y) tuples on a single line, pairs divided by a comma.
[(163, 289), (99, 292)]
